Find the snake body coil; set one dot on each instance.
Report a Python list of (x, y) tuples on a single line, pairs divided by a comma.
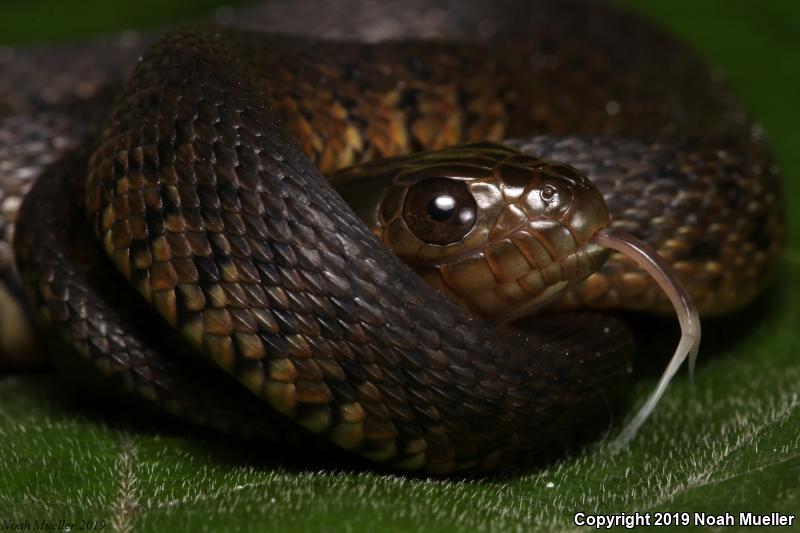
[(205, 189)]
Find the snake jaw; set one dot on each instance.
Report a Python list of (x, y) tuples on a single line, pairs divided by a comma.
[(513, 276)]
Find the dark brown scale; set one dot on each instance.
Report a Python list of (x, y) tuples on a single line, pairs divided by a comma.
[(90, 311)]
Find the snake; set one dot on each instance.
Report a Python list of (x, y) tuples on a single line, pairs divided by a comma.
[(390, 228)]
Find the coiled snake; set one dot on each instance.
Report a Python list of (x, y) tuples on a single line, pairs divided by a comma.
[(204, 187)]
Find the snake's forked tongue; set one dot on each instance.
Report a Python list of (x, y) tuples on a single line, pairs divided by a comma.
[(648, 259)]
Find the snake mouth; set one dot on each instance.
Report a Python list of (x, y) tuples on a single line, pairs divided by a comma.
[(513, 276)]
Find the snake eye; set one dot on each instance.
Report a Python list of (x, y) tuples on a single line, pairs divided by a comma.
[(440, 210)]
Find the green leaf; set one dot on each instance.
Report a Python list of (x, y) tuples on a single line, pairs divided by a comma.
[(728, 444)]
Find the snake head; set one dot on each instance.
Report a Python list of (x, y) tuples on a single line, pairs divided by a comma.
[(497, 230)]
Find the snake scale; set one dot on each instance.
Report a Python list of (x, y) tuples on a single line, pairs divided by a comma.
[(201, 175)]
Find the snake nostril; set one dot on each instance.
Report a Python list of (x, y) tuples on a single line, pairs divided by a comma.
[(547, 193)]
